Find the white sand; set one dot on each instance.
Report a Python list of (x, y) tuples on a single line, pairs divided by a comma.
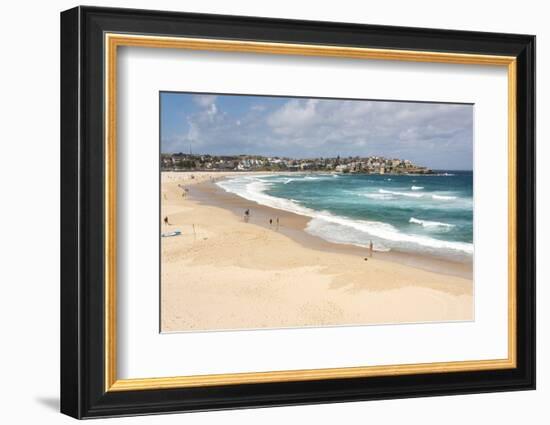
[(228, 274)]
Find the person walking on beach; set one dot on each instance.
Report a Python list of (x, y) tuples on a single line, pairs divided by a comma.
[(277, 221), (370, 248), (246, 215), (270, 222), (166, 221)]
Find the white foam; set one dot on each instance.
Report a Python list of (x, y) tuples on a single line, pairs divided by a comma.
[(409, 195), (443, 197), (417, 187), (342, 229), (252, 188), (336, 233), (428, 223), (360, 232), (377, 195)]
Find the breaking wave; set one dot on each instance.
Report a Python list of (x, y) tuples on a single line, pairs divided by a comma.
[(428, 223), (359, 232)]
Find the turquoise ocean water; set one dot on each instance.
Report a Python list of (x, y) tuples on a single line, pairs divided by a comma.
[(430, 214)]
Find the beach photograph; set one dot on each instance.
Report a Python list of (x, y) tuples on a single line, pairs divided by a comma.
[(291, 212)]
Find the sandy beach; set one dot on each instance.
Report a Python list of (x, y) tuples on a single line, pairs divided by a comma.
[(223, 272)]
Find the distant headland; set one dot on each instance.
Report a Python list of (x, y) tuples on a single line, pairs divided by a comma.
[(363, 165)]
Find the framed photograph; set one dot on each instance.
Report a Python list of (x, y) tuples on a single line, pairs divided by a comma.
[(261, 212)]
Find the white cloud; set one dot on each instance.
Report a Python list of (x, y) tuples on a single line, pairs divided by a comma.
[(295, 117), (204, 100), (212, 110), (437, 135)]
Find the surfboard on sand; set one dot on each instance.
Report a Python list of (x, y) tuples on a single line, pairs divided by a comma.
[(168, 234)]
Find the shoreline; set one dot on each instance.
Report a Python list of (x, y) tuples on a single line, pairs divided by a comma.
[(223, 273), (294, 226)]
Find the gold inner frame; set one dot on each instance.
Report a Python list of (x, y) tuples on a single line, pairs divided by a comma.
[(113, 41)]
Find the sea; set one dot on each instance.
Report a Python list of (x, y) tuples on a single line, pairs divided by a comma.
[(424, 214)]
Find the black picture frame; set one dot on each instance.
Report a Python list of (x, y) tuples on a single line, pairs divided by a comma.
[(83, 392)]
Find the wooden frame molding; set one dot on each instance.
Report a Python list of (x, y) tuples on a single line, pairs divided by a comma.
[(111, 43)]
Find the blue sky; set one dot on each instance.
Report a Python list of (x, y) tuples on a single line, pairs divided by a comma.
[(438, 136)]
